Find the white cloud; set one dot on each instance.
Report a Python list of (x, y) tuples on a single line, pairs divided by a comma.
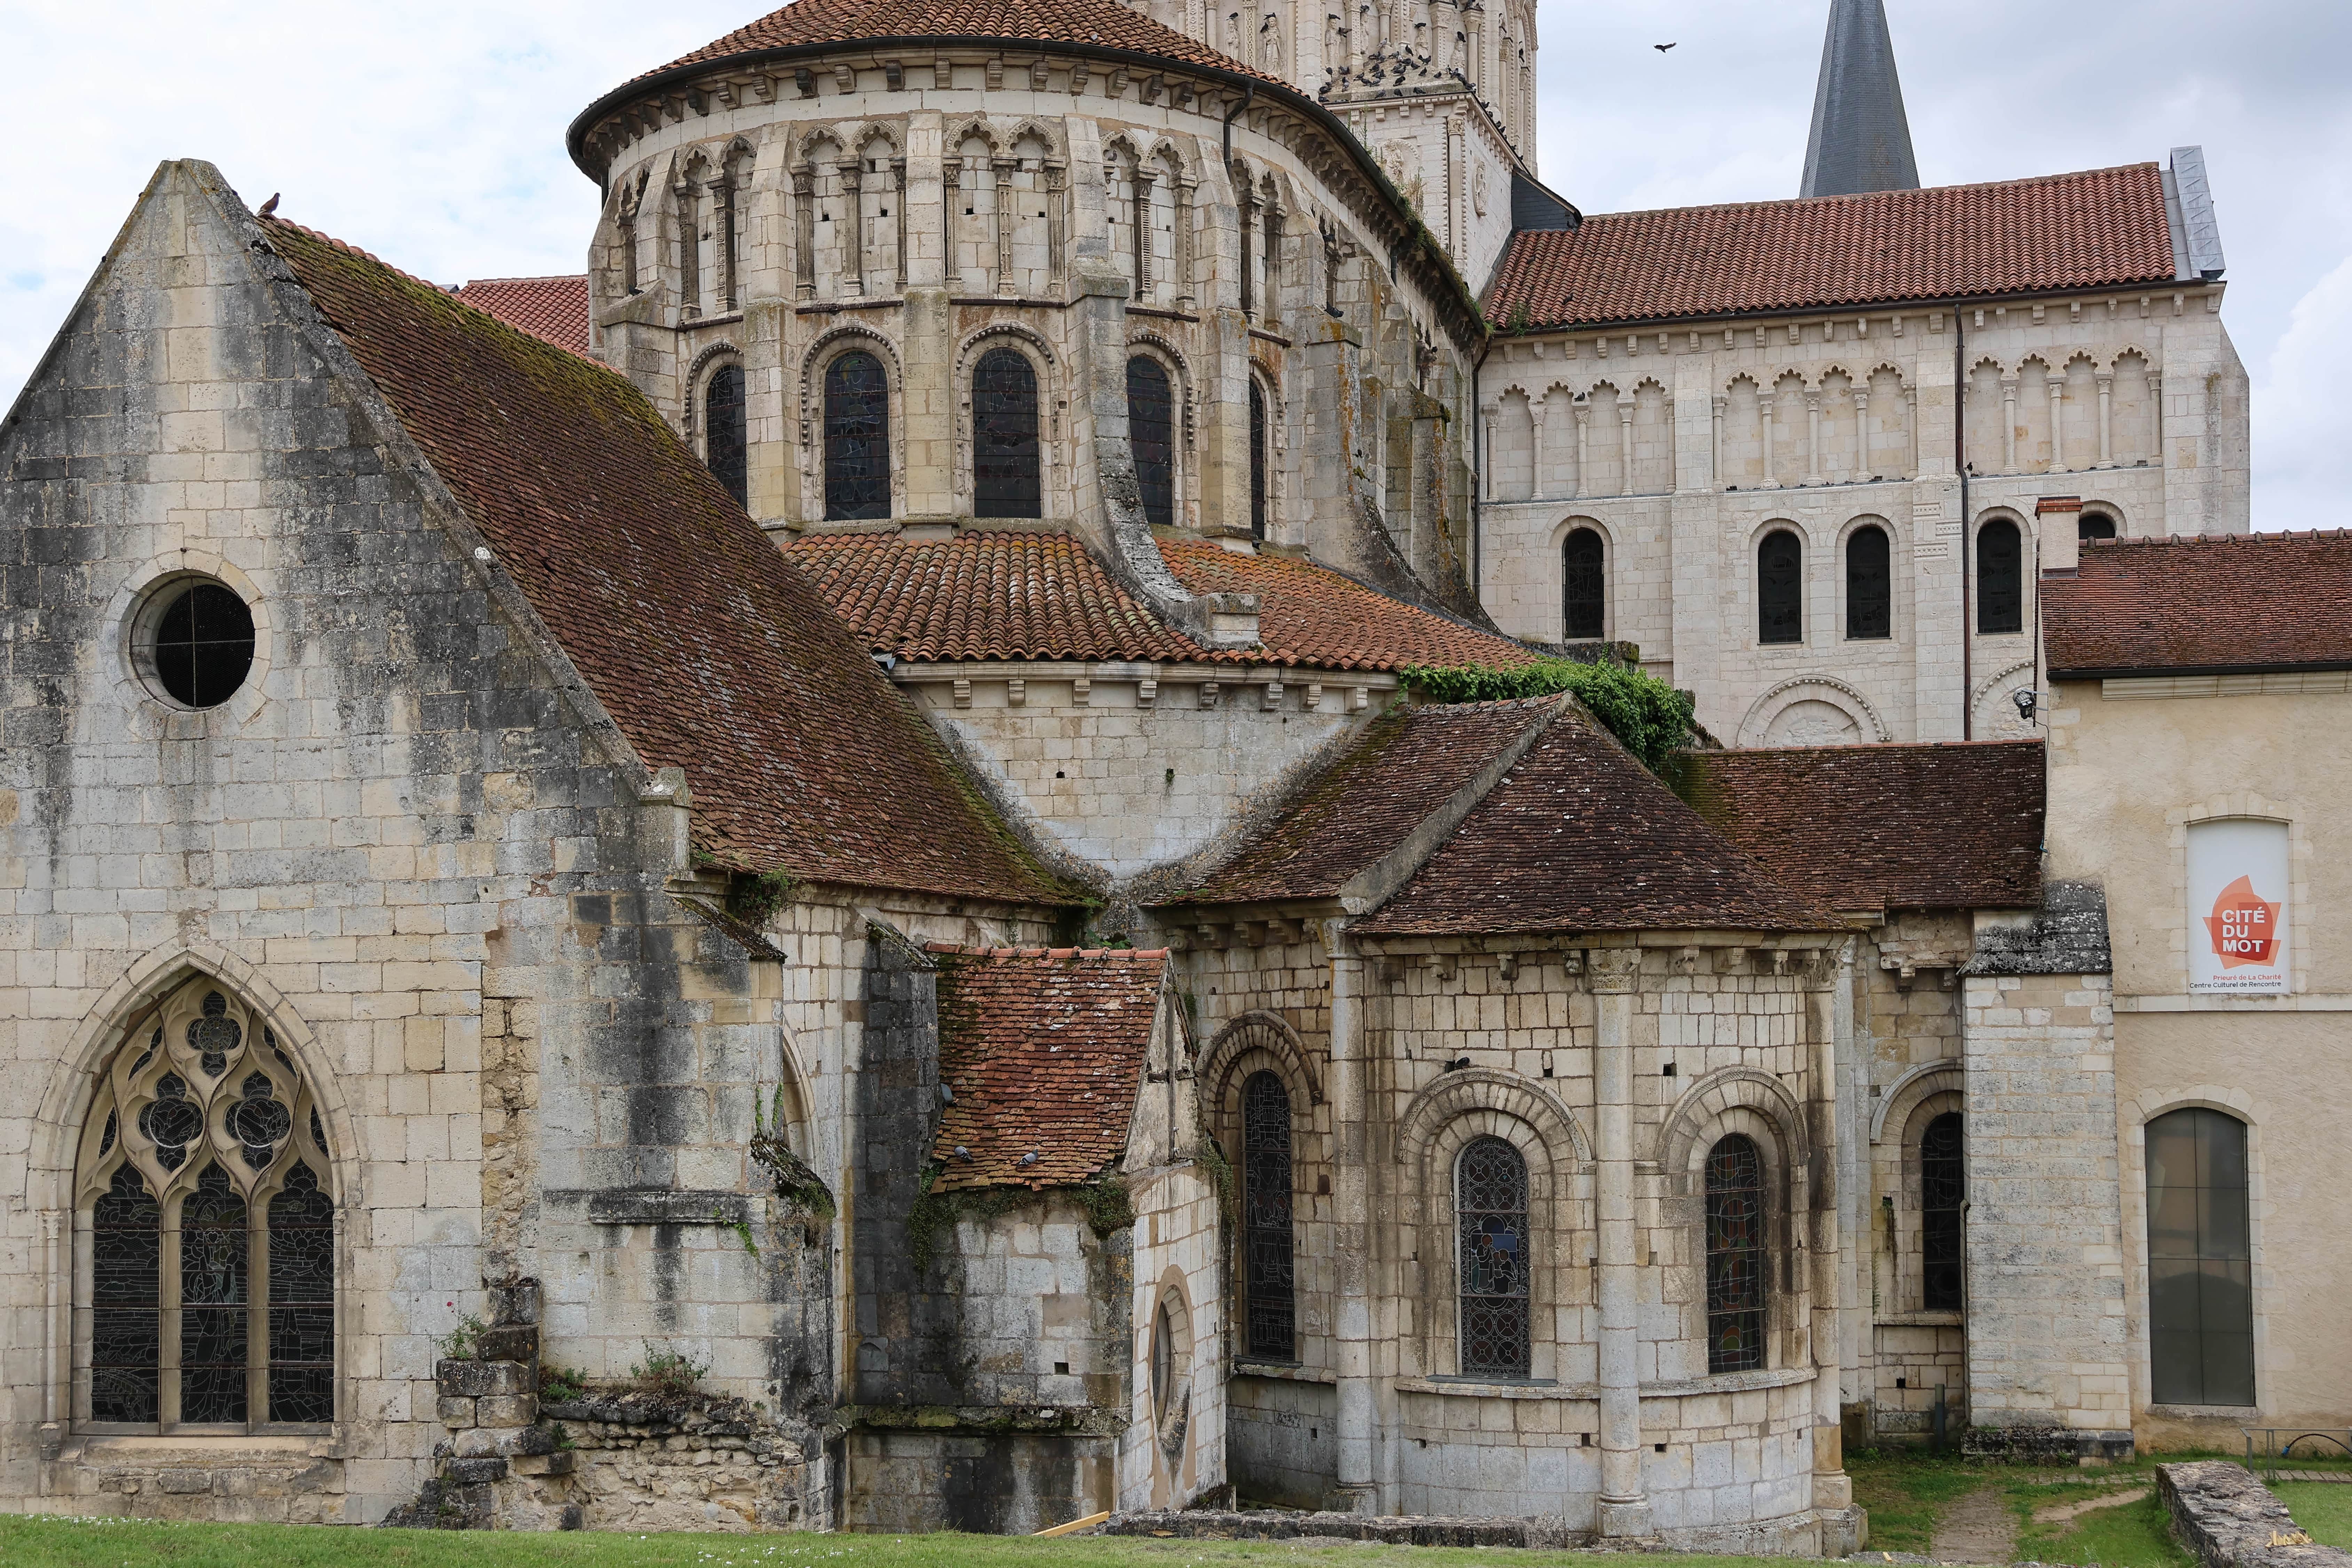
[(431, 133)]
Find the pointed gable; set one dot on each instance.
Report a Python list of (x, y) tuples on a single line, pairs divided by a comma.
[(710, 653)]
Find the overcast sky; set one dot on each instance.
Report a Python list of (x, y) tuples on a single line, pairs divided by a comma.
[(431, 133)]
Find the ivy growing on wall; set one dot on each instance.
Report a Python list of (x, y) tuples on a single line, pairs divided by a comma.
[(1649, 718), (1105, 1199)]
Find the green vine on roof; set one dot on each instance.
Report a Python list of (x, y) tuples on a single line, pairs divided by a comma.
[(1649, 718), (1108, 1208)]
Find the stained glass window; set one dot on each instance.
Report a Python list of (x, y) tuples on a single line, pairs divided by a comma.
[(1734, 1257), (202, 646), (1781, 588), (1004, 456), (2201, 1292), (1150, 430), (212, 1293), (723, 437), (1258, 460), (856, 438), (2000, 585), (1869, 585), (127, 1266), (1491, 1203), (1584, 586), (1268, 1280), (301, 1300), (1943, 1195)]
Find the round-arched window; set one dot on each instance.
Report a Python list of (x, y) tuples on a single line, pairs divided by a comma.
[(1151, 434), (1780, 588), (1584, 586), (195, 643), (856, 438)]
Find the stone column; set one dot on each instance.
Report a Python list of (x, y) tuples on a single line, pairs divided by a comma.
[(1583, 449), (1771, 472), (1003, 170), (2008, 423), (899, 216), (951, 192), (1715, 451), (1140, 209), (2057, 385), (1624, 1507), (1489, 415), (1911, 413), (804, 231), (1813, 437), (1351, 1229), (689, 250), (2107, 426), (722, 195), (1538, 415), (1179, 219), (1058, 206), (1624, 445), (853, 204), (1248, 205), (1861, 435)]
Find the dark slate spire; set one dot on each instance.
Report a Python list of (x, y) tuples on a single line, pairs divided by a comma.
[(1861, 140)]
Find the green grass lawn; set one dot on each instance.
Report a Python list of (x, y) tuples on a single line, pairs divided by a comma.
[(2128, 1536), (27, 1542), (2323, 1509), (1906, 1492)]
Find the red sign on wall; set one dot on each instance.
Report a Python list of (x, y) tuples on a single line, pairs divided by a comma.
[(2243, 927)]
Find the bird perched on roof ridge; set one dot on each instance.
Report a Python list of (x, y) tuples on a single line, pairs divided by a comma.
[(268, 206)]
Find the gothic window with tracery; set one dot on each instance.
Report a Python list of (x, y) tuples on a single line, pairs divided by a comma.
[(1869, 585), (1943, 1195), (1584, 586), (1151, 432), (1735, 1256), (2001, 577), (1269, 1281), (1491, 1203), (1257, 456), (856, 438), (1780, 588), (1004, 455), (724, 447), (209, 1229)]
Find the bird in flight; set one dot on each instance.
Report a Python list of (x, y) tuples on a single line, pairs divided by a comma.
[(1662, 49)]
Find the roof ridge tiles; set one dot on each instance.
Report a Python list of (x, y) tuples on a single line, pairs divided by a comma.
[(1866, 196)]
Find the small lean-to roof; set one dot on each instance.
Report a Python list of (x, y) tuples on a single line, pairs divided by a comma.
[(1368, 804), (1580, 837), (1947, 826), (2102, 228), (1045, 596), (2213, 604), (552, 309), (709, 652), (1043, 1050)]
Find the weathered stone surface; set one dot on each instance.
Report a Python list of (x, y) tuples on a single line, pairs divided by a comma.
[(473, 1379), (454, 1412), (508, 1409), (2230, 1520)]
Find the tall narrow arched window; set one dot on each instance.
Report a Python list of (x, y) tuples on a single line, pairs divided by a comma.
[(1869, 584), (1491, 1204), (1267, 1278), (1781, 588), (856, 438), (2001, 577), (723, 444), (1943, 1201), (1735, 1256), (1584, 586), (1004, 455), (208, 1230), (2094, 525), (1151, 434), (1257, 456), (2201, 1291)]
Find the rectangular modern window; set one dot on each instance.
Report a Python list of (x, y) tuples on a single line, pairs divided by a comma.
[(2201, 1293)]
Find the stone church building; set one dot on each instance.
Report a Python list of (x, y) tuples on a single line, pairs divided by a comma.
[(805, 881)]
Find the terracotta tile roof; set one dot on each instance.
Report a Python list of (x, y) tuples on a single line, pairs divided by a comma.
[(1042, 596), (1365, 805), (1956, 825), (2104, 229), (2202, 605), (709, 651), (984, 595), (1044, 1050), (1312, 615), (553, 310), (1105, 23), (1579, 836)]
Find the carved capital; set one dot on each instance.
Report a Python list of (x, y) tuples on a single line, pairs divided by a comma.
[(1615, 970)]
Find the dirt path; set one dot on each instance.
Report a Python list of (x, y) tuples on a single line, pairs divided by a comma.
[(2061, 1512), (1979, 1528)]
